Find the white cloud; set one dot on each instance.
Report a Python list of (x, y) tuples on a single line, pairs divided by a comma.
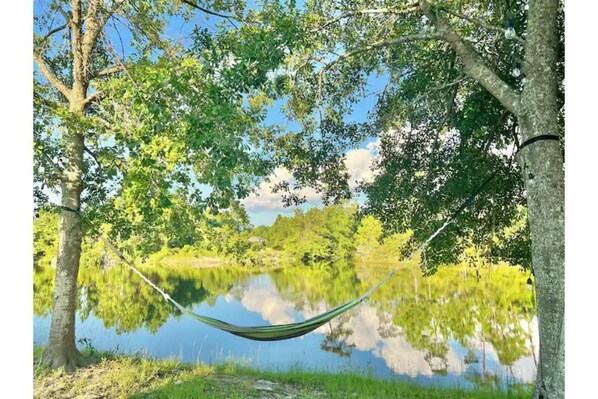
[(358, 162), (266, 200), (374, 146), (267, 302)]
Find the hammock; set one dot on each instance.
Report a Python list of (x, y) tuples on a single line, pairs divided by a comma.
[(278, 332), (269, 333)]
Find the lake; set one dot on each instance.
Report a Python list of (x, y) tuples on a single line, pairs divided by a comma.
[(462, 326)]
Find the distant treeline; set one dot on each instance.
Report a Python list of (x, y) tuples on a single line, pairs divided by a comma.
[(333, 234)]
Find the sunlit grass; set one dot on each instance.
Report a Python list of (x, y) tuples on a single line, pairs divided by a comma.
[(116, 376)]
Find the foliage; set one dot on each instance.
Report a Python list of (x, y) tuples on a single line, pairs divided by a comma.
[(45, 237), (369, 234), (318, 236), (168, 133), (512, 244), (326, 237), (45, 243), (442, 132), (373, 247)]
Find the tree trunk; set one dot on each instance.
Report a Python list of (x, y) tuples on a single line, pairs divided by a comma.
[(61, 350), (542, 165)]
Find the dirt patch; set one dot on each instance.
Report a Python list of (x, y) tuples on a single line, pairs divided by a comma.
[(266, 389)]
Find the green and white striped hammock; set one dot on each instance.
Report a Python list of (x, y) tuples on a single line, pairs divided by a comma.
[(278, 332)]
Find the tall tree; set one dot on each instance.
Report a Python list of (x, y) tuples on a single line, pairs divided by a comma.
[(131, 133), (466, 82)]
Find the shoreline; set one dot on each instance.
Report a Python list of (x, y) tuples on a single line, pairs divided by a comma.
[(120, 376)]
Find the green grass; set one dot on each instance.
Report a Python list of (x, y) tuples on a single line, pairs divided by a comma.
[(115, 376)]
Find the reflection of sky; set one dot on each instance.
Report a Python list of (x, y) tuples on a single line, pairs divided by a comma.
[(392, 357)]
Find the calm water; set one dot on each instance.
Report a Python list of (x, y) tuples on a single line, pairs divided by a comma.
[(455, 328)]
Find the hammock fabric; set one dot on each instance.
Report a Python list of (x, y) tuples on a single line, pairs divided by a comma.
[(278, 332), (257, 333)]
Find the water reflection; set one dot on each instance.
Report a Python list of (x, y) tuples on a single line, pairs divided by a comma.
[(456, 326)]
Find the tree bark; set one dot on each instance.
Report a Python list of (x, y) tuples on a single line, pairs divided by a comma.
[(61, 350), (543, 174), (542, 165)]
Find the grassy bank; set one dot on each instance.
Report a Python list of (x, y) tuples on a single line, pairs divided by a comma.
[(111, 376)]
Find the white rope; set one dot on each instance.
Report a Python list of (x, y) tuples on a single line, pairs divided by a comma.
[(410, 257), (147, 280)]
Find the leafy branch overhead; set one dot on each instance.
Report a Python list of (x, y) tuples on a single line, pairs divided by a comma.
[(162, 128), (447, 115)]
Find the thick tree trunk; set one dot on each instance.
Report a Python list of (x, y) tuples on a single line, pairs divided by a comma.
[(61, 350), (542, 166)]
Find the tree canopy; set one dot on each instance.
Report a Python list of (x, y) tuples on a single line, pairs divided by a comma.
[(441, 130), (169, 132)]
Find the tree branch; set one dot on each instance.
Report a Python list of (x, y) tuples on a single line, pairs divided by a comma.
[(45, 70), (120, 38), (44, 39), (55, 30), (380, 44), (474, 65), (93, 155), (109, 70), (479, 23), (229, 18), (95, 96), (152, 37), (77, 31), (350, 14), (94, 25), (373, 46), (441, 87), (121, 63)]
